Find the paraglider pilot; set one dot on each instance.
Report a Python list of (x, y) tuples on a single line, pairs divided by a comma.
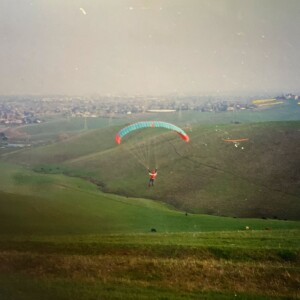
[(152, 175)]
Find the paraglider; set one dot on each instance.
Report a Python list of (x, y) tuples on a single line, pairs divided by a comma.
[(142, 144), (152, 175)]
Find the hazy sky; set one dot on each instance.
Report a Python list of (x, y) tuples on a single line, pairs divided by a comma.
[(149, 47)]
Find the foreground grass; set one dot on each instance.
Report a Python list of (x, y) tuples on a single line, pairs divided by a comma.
[(215, 265), (89, 290)]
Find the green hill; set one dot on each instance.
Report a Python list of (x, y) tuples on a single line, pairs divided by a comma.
[(255, 178), (32, 203), (62, 238)]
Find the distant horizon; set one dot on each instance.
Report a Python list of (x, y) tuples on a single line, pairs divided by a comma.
[(212, 94)]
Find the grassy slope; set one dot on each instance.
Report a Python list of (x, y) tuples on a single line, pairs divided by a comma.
[(211, 176), (133, 265), (207, 175), (54, 244), (62, 128), (48, 204)]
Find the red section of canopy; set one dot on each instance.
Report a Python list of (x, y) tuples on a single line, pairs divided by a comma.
[(118, 139), (184, 137)]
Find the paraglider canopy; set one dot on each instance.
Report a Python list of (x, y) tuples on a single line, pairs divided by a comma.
[(148, 146), (150, 124)]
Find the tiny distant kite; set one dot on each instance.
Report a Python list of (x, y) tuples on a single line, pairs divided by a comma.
[(235, 141), (83, 11)]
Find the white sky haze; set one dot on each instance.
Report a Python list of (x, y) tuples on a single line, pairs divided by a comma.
[(149, 47)]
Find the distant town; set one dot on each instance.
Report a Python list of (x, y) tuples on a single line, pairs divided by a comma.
[(20, 110)]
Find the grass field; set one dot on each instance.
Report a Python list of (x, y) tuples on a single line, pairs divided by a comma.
[(52, 204), (66, 127), (62, 237), (247, 265), (257, 178)]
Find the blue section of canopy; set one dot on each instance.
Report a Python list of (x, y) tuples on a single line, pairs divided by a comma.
[(149, 124)]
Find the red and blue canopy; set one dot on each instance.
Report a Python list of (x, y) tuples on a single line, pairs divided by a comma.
[(150, 124)]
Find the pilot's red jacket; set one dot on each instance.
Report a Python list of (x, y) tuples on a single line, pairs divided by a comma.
[(153, 174)]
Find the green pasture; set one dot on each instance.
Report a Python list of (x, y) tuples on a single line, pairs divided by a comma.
[(238, 245), (53, 203), (255, 178), (62, 238), (196, 265), (69, 125), (84, 143), (208, 265), (62, 289)]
